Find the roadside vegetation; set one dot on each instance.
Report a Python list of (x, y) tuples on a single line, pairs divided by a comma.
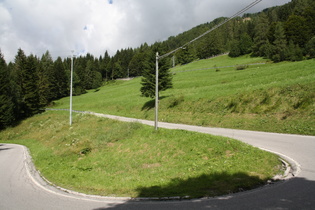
[(106, 157), (274, 97), (281, 33), (111, 158)]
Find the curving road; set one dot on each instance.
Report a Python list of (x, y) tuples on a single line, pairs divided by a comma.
[(22, 188)]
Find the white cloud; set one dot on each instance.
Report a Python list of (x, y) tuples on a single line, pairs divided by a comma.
[(98, 25)]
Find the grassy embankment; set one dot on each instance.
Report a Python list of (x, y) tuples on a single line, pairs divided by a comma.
[(106, 157), (271, 97)]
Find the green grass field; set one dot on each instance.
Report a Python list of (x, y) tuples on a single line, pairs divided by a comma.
[(267, 97), (111, 158), (106, 157)]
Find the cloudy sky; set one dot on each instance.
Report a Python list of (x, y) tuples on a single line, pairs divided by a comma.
[(98, 25)]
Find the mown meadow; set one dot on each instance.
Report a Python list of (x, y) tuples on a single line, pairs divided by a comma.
[(274, 97)]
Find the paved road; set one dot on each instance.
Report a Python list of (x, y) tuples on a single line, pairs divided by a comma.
[(22, 188)]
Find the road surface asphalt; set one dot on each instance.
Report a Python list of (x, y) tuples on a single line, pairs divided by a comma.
[(21, 187)]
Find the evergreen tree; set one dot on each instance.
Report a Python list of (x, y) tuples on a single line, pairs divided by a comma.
[(245, 44), (210, 45), (185, 55), (46, 88), (235, 50), (7, 116), (261, 45), (137, 63), (294, 52), (60, 78), (310, 48), (103, 63), (18, 77), (31, 100), (280, 44), (89, 69), (297, 30), (97, 80), (148, 80)]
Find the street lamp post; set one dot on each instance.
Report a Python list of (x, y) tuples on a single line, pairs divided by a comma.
[(156, 91)]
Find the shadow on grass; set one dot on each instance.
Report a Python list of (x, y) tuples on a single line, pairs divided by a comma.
[(206, 185), (151, 104), (297, 193)]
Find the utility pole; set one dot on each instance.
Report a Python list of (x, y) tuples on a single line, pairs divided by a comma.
[(184, 47), (71, 84), (156, 91)]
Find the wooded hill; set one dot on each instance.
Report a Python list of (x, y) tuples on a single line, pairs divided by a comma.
[(280, 33)]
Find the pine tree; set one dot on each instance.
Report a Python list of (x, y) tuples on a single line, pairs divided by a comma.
[(245, 44), (7, 116), (185, 55), (45, 86), (280, 44), (261, 45), (235, 49), (136, 65), (18, 80), (148, 80), (310, 48), (60, 78), (211, 45), (103, 63), (298, 30), (31, 96)]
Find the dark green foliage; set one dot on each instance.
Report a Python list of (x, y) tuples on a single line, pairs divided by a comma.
[(245, 44), (96, 80), (136, 65), (7, 116), (294, 52), (148, 80), (242, 46), (46, 79), (260, 47), (186, 55), (103, 65), (235, 49), (280, 44), (25, 85), (310, 48), (297, 30), (18, 76), (210, 45), (31, 102), (280, 33), (61, 79)]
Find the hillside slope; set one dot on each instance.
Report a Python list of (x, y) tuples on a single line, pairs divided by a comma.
[(266, 97)]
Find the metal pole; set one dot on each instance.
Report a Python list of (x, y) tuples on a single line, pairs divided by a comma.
[(156, 91), (71, 79)]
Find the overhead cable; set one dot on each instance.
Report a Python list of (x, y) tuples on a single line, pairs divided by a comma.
[(212, 29)]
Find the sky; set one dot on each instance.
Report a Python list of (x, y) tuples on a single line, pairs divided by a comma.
[(94, 26)]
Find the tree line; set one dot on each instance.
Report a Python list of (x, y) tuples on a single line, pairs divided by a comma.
[(279, 33)]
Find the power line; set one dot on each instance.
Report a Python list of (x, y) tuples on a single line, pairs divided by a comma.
[(167, 54), (212, 29)]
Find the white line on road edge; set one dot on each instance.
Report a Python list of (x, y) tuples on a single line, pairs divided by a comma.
[(41, 182)]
